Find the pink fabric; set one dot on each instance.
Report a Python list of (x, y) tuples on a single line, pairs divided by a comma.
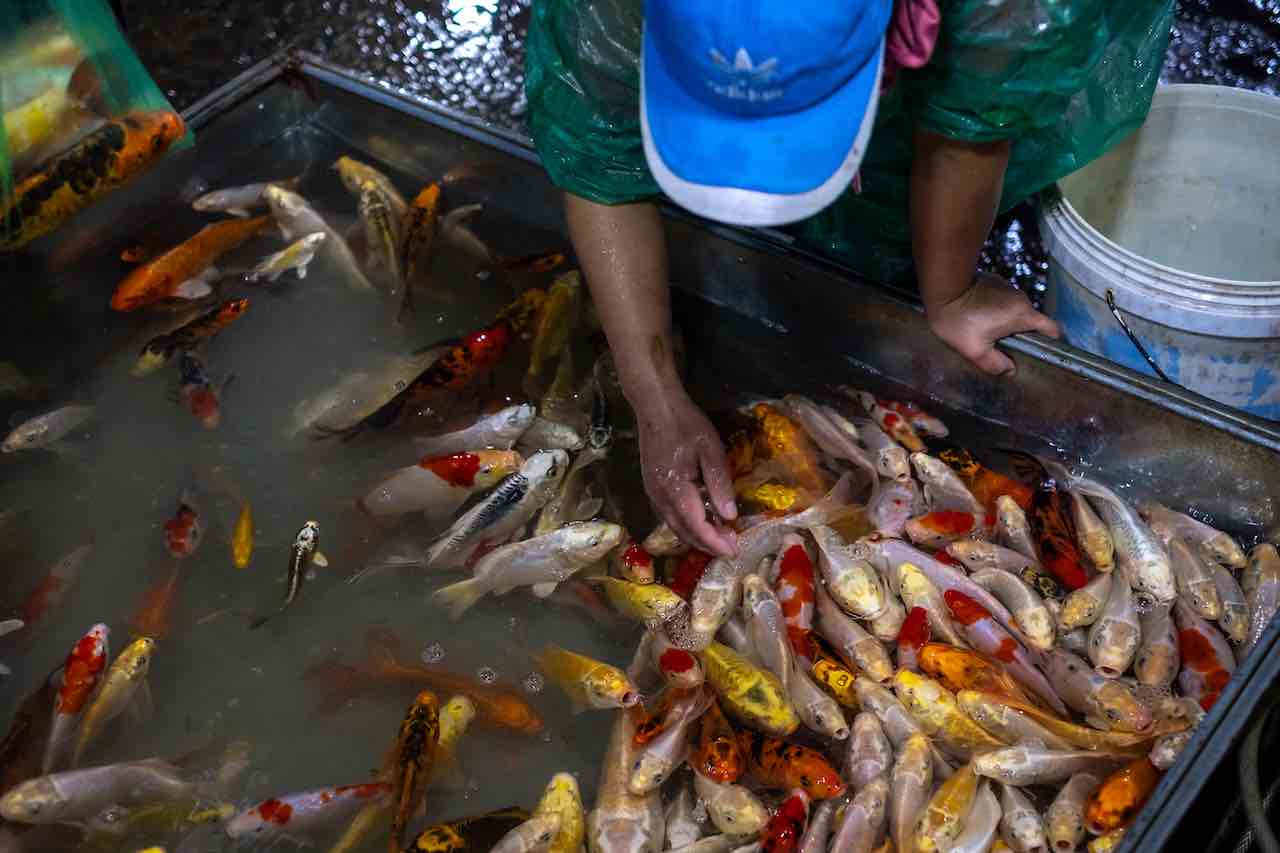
[(913, 32)]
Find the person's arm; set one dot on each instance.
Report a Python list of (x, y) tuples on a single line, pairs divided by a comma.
[(623, 252), (955, 189)]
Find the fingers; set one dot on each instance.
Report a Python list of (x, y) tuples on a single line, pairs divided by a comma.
[(1045, 325), (685, 513), (995, 362), (715, 475)]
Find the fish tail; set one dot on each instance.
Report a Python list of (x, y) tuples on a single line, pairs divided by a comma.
[(1026, 466), (458, 597)]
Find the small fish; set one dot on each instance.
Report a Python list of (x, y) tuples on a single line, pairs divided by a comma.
[(621, 820), (1212, 542), (1157, 661), (381, 231), (766, 629), (1107, 702), (849, 638), (663, 542), (917, 591), (1020, 822), (818, 711), (562, 799), (541, 563), (500, 430), (439, 485), (355, 174), (420, 230), (301, 555), (977, 555), (503, 511), (892, 506), (175, 274), (716, 753), (1260, 582), (1093, 536), (297, 256), (296, 219), (943, 488), (965, 669), (940, 716), (666, 752), (869, 754), (183, 533), (632, 562), (1083, 606), (74, 796), (988, 636), (1194, 578), (1115, 636), (1032, 764), (81, 675), (1005, 722), (650, 603), (944, 815), (556, 321), (1064, 821), (940, 528), (987, 486), (818, 832), (55, 585), (910, 783), (44, 430), (682, 828), (732, 808), (1138, 550), (832, 433), (242, 537), (125, 680), (829, 670), (238, 201), (1207, 662), (1012, 529), (154, 616), (1029, 612), (851, 581), (410, 761), (793, 585), (161, 349), (1052, 524), (750, 693), (297, 816), (894, 424), (482, 832), (785, 829), (587, 682), (198, 392), (1234, 620), (1120, 796)]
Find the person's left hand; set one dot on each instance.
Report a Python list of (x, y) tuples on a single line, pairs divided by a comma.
[(989, 310)]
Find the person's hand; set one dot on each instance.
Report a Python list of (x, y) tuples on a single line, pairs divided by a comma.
[(678, 449), (989, 310)]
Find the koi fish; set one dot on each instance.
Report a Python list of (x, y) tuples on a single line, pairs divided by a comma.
[(184, 532), (238, 201), (102, 161), (555, 322), (1020, 820), (1121, 795), (1207, 662), (862, 825), (1194, 579), (419, 232), (1064, 821), (985, 484), (939, 715), (296, 219), (750, 693), (832, 433), (438, 485), (76, 796), (1083, 606), (688, 572), (55, 585), (1018, 715), (1115, 636), (829, 670), (850, 580), (868, 755), (912, 637), (587, 682), (1033, 764), (1211, 542), (242, 537), (1108, 703), (125, 679), (154, 616), (1260, 583), (174, 274), (381, 231), (462, 363), (1052, 524), (648, 603), (301, 555), (297, 256), (716, 752), (666, 751), (481, 832), (942, 527), (894, 424), (733, 809), (355, 174), (944, 815), (910, 784), (1029, 611), (298, 816), (500, 431), (784, 830), (198, 392), (621, 820), (793, 584), (81, 675), (410, 761), (161, 349), (850, 639), (781, 440), (632, 562), (44, 430)]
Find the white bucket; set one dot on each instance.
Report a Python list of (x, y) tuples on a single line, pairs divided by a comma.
[(1181, 222)]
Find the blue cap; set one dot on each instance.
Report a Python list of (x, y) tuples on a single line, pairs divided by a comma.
[(756, 112)]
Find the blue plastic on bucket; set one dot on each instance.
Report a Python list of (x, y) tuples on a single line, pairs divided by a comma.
[(1177, 223)]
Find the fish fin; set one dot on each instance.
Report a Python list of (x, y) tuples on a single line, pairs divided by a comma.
[(542, 590), (301, 269), (320, 560), (501, 590), (588, 508), (193, 288), (237, 211), (459, 215), (458, 598), (141, 707)]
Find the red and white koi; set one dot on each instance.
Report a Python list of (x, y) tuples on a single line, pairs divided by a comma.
[(942, 527), (898, 427), (1207, 662), (297, 816), (81, 675), (439, 485), (920, 420), (793, 583), (912, 637), (184, 532)]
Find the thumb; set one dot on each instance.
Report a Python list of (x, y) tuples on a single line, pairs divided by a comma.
[(995, 362), (1044, 324)]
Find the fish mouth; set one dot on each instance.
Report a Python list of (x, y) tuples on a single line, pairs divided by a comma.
[(1108, 671), (630, 699)]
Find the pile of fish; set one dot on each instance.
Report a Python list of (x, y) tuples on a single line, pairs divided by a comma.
[(910, 649)]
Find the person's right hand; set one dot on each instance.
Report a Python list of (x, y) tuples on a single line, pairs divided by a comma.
[(678, 449)]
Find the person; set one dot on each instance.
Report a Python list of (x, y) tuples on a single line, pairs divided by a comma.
[(887, 136)]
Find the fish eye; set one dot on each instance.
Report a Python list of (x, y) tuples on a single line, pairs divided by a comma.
[(1111, 714)]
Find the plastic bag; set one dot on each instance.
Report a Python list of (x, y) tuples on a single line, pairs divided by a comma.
[(1064, 80), (80, 114)]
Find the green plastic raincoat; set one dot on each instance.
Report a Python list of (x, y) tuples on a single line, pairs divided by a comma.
[(1064, 79)]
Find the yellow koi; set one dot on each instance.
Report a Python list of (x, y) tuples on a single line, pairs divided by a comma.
[(242, 537), (748, 692), (589, 683)]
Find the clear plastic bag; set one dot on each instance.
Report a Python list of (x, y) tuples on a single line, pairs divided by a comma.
[(80, 114), (1064, 80)]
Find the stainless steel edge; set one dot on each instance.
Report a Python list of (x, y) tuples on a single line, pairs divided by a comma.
[(241, 86)]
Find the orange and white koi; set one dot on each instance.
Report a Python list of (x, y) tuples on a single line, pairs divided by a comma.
[(793, 584), (920, 420), (55, 585), (894, 424), (81, 675), (784, 830), (184, 532), (176, 272), (940, 528), (1207, 662), (155, 614)]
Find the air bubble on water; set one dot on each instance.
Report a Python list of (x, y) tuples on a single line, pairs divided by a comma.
[(513, 624), (487, 674), (534, 683), (233, 702), (483, 275), (546, 737), (441, 319), (433, 653), (311, 574)]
